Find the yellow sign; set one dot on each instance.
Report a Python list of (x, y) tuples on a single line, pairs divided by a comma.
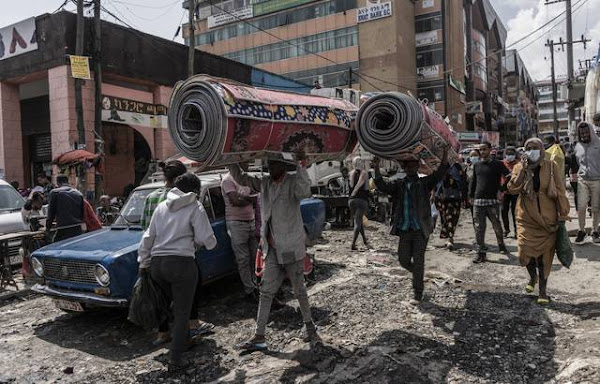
[(80, 67)]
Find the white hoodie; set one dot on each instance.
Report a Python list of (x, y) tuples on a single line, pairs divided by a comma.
[(178, 225)]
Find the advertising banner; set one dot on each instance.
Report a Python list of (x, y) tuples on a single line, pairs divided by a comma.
[(18, 38), (123, 111), (426, 38), (426, 72), (374, 12), (226, 18), (271, 6), (80, 67)]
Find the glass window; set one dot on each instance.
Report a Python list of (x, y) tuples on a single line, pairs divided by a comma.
[(432, 94), (131, 213), (217, 202), (429, 58)]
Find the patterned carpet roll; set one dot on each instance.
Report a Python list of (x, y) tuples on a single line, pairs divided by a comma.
[(395, 126), (217, 122)]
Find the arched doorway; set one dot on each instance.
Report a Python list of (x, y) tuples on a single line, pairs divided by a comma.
[(127, 155)]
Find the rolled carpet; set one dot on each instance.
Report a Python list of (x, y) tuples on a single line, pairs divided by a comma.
[(218, 122), (395, 126)]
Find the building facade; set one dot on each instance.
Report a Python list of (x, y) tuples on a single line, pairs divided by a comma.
[(447, 53), (546, 110), (520, 101)]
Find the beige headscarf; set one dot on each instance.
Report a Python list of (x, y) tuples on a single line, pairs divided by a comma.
[(528, 188)]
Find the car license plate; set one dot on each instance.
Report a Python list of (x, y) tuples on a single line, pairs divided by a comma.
[(68, 305)]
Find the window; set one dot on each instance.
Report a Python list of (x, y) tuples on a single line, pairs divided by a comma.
[(207, 206), (431, 57), (217, 202), (432, 94), (273, 21), (131, 213), (331, 76), (431, 23), (326, 41)]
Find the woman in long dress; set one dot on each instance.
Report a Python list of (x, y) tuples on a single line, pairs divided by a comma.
[(541, 204)]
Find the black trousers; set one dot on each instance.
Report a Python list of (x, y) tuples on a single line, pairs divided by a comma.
[(411, 255), (509, 203), (67, 233), (177, 276)]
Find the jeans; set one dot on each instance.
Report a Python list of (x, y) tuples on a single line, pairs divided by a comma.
[(244, 247), (509, 204), (358, 207), (177, 276), (273, 276), (411, 255), (480, 214)]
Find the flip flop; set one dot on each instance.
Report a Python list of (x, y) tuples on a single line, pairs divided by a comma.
[(529, 288), (251, 346)]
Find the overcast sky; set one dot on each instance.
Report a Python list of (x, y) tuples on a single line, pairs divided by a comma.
[(521, 18)]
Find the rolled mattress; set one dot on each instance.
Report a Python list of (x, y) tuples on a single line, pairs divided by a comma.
[(217, 122), (395, 126)]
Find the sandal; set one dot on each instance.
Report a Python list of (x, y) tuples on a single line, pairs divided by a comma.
[(202, 329), (543, 300), (252, 346), (529, 288)]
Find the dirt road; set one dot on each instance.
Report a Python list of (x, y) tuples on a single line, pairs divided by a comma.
[(477, 325)]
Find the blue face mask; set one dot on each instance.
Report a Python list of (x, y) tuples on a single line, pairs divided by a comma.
[(474, 160), (511, 158)]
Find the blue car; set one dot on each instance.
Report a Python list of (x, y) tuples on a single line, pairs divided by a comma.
[(99, 269)]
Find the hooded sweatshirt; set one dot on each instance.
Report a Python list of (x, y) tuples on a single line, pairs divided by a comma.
[(178, 225), (588, 157)]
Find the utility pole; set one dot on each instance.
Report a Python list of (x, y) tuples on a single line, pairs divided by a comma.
[(192, 39), (99, 147), (550, 44), (349, 77), (79, 39)]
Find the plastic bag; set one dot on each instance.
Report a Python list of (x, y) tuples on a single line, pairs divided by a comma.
[(149, 305), (564, 250)]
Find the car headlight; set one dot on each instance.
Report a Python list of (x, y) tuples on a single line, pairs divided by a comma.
[(102, 276), (37, 266)]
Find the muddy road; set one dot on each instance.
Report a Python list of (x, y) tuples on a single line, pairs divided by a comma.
[(476, 325)]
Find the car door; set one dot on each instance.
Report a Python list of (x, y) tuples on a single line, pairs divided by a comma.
[(219, 261)]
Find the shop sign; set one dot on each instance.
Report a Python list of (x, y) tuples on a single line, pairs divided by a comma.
[(474, 107), (427, 72), (230, 17), (80, 67), (374, 11), (491, 136), (468, 136), (18, 38), (270, 6), (426, 38), (130, 112), (456, 84), (428, 4)]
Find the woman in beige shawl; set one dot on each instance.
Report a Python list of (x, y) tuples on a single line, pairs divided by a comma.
[(542, 203)]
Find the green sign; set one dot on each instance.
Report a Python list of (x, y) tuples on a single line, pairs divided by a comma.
[(271, 6), (456, 84)]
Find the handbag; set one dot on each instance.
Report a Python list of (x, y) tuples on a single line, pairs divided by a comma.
[(564, 250)]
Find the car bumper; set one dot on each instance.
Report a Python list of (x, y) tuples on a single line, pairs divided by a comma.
[(81, 297)]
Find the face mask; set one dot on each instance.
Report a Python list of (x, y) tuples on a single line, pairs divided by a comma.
[(474, 160), (533, 154), (510, 158)]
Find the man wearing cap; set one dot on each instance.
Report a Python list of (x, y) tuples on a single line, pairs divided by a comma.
[(283, 240)]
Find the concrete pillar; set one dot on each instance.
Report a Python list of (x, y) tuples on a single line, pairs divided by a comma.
[(164, 146), (63, 120), (11, 137)]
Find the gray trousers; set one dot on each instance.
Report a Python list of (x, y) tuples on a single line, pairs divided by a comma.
[(273, 276), (177, 276), (411, 255), (244, 247), (480, 214)]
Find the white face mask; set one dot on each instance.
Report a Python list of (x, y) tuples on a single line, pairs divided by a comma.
[(474, 160), (510, 158), (533, 154)]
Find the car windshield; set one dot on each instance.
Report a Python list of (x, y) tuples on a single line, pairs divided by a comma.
[(132, 210), (10, 200)]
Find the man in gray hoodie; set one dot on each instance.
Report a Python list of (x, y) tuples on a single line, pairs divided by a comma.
[(587, 155), (168, 249), (283, 241)]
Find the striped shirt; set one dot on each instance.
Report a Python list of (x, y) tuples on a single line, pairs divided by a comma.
[(485, 202), (152, 201)]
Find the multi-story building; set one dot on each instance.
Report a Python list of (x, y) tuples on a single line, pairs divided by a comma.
[(546, 110), (445, 52), (520, 102)]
